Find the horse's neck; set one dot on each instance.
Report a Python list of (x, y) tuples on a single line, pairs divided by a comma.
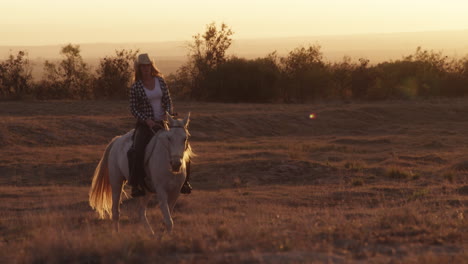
[(161, 148), (152, 147), (157, 148)]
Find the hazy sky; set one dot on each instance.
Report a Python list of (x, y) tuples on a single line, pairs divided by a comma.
[(37, 22)]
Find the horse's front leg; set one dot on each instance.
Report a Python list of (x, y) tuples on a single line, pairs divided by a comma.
[(143, 205), (165, 209), (172, 199)]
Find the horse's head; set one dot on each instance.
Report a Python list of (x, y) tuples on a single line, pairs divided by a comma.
[(177, 138)]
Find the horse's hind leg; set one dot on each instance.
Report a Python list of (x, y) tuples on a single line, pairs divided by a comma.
[(116, 185), (143, 204), (116, 208)]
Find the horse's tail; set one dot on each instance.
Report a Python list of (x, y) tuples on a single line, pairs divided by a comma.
[(100, 194)]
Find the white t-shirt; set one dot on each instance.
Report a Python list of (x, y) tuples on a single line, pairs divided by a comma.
[(154, 96)]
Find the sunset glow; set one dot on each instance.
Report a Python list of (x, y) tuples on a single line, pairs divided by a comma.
[(31, 22)]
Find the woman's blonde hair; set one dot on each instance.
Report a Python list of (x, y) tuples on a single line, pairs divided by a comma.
[(144, 59)]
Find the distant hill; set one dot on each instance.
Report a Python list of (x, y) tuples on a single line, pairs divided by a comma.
[(170, 55)]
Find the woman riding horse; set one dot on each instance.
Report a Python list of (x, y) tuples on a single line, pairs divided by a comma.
[(149, 101)]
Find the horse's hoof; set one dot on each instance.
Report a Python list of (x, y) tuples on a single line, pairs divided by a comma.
[(151, 233)]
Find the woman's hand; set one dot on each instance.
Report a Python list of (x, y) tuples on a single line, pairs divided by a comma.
[(150, 123)]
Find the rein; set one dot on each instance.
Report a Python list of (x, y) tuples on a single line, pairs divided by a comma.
[(164, 126), (159, 125)]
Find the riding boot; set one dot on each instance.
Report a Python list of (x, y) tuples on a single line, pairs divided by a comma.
[(187, 188), (133, 181), (137, 189)]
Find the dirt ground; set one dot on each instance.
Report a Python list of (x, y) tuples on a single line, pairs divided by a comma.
[(380, 182)]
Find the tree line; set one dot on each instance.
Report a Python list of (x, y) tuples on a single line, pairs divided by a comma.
[(209, 74), (71, 78)]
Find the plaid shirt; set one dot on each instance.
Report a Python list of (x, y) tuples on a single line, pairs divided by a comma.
[(140, 106)]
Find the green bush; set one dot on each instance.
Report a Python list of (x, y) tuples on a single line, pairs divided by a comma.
[(241, 80), (15, 77), (71, 79), (114, 75), (306, 75)]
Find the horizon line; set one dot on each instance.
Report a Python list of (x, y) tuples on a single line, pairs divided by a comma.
[(239, 39)]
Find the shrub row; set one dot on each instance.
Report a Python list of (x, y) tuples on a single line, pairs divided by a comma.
[(70, 79), (303, 76), (300, 76)]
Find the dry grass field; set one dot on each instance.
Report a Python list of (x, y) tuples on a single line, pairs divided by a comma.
[(382, 182)]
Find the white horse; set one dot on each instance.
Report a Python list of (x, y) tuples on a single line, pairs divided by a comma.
[(165, 164)]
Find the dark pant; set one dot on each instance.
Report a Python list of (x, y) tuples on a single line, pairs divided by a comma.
[(141, 138)]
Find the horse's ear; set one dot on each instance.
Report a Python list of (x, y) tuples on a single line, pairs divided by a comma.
[(187, 120), (169, 118)]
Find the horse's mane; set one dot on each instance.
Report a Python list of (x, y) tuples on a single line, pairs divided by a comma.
[(188, 154)]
